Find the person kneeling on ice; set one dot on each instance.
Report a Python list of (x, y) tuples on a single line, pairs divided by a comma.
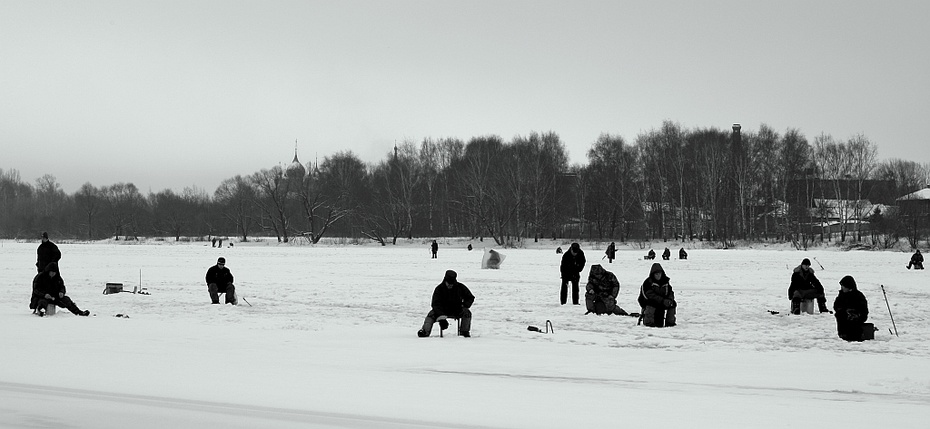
[(49, 288), (917, 261), (453, 300), (220, 280), (852, 310), (657, 299), (804, 286), (601, 292)]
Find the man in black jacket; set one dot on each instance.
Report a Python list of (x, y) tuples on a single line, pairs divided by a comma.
[(917, 261), (450, 299), (46, 253), (49, 288), (572, 264), (805, 285), (851, 310), (220, 280)]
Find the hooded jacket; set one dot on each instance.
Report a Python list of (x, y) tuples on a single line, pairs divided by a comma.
[(602, 287), (47, 252), (572, 265), (657, 293), (43, 284)]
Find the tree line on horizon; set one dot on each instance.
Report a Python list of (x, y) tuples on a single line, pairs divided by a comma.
[(671, 182)]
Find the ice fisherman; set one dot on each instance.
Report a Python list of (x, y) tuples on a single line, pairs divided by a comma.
[(46, 253), (572, 264), (453, 300), (667, 254), (651, 255), (805, 285), (917, 261), (682, 254), (49, 288), (657, 299), (611, 252), (220, 280), (851, 310), (601, 292), (434, 248)]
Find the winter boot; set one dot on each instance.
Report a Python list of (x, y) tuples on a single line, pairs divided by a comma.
[(84, 313), (422, 334), (822, 306), (795, 306), (41, 312), (465, 334)]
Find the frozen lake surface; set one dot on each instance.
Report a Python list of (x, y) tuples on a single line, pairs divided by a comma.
[(330, 341)]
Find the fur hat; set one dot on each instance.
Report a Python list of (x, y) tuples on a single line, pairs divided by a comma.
[(848, 282), (450, 276)]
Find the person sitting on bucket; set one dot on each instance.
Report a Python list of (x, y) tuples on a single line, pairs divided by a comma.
[(851, 310), (220, 280), (666, 254), (651, 254), (805, 285), (49, 288), (917, 261), (451, 299), (682, 254), (657, 299), (601, 292)]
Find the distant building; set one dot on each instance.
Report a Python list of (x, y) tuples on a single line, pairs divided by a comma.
[(295, 170)]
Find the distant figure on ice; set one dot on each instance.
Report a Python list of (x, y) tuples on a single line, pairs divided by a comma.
[(558, 250), (917, 261), (666, 254), (219, 243), (851, 310), (657, 299), (651, 255), (469, 247), (804, 286), (611, 252), (213, 241), (220, 280), (682, 254), (46, 253), (601, 292), (434, 248), (49, 288), (492, 259), (572, 264), (451, 299)]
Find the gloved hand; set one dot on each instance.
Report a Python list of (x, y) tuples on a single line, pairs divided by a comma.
[(852, 315), (443, 324), (61, 294), (668, 303), (49, 297)]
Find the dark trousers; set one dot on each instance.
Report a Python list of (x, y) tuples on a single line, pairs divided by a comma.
[(215, 292), (464, 317), (563, 294), (658, 317), (63, 302)]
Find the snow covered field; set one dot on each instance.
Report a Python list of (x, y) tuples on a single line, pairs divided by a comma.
[(330, 341)]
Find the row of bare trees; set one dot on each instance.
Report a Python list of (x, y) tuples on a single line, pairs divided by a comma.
[(670, 182)]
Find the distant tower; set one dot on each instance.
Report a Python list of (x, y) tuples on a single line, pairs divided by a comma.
[(296, 170)]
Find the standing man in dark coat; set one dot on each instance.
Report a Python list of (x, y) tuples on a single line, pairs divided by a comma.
[(851, 310), (805, 285), (572, 264), (611, 252), (49, 288), (434, 248), (450, 299), (46, 253), (657, 299), (220, 280)]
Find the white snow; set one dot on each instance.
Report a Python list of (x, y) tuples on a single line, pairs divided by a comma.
[(330, 341)]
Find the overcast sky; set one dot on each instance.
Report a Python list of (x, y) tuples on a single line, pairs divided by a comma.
[(174, 94)]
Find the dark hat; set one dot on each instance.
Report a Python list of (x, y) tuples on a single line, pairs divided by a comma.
[(450, 276), (45, 235), (576, 246), (52, 266), (806, 261), (221, 260), (848, 282)]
